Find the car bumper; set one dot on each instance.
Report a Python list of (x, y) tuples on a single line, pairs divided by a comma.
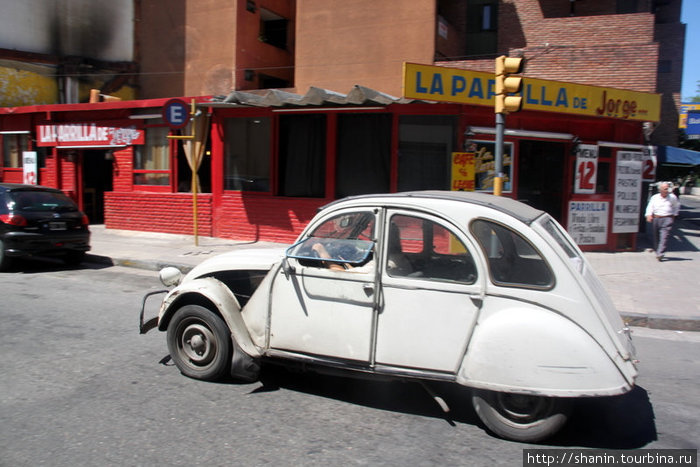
[(18, 244)]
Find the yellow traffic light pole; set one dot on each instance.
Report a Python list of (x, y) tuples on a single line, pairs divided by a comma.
[(504, 104)]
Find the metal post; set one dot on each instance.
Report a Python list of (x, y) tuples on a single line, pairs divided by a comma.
[(193, 119), (498, 162), (192, 137)]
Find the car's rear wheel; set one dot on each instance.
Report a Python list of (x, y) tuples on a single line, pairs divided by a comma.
[(199, 343), (74, 258), (4, 259), (521, 417)]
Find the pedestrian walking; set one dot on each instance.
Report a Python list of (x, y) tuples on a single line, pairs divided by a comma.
[(661, 211)]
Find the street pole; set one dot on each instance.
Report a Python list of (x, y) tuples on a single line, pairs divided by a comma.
[(504, 103), (192, 137), (498, 162)]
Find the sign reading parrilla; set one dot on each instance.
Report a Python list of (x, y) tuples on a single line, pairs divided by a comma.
[(443, 84), (89, 135)]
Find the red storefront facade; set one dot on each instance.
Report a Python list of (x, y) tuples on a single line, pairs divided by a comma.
[(270, 162)]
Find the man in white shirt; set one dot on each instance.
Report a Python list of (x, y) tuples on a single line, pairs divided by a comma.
[(662, 209)]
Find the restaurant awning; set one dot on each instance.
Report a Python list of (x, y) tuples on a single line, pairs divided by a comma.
[(673, 155)]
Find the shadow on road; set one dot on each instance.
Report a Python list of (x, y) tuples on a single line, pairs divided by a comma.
[(42, 264), (620, 422)]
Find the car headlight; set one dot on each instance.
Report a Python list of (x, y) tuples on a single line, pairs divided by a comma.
[(170, 276)]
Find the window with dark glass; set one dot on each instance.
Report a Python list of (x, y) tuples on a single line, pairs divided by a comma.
[(426, 143), (152, 160), (363, 154), (481, 38), (13, 145), (302, 155), (488, 17), (247, 153), (513, 260), (273, 29)]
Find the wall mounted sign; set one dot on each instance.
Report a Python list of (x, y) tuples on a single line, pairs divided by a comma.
[(588, 222), (628, 190), (586, 169), (29, 168), (443, 84), (462, 171), (96, 135)]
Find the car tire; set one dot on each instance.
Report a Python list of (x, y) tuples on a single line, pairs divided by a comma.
[(4, 259), (520, 417), (199, 343), (74, 258)]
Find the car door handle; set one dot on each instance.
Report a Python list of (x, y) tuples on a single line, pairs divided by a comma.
[(368, 288)]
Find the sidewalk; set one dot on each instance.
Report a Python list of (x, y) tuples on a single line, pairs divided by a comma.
[(647, 293)]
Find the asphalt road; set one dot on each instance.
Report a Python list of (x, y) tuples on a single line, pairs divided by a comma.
[(80, 386)]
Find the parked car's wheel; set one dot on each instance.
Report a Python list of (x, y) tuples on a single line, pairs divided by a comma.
[(521, 417), (199, 343), (74, 258), (4, 259)]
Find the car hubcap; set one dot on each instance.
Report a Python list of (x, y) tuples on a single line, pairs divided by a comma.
[(521, 408), (198, 344)]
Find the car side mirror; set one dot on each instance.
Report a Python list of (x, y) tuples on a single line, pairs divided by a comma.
[(286, 267)]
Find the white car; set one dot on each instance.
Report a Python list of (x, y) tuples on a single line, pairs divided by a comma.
[(470, 288)]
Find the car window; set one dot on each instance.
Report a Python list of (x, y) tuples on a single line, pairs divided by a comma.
[(421, 248), (40, 201), (345, 241), (513, 260)]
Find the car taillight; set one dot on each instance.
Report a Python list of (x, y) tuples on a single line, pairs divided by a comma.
[(13, 219), (84, 220)]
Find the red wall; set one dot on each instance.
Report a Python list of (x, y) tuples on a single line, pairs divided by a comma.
[(158, 212), (252, 217)]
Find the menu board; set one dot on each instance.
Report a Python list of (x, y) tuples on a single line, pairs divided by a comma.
[(628, 189), (588, 222)]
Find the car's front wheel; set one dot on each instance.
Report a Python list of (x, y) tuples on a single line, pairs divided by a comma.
[(199, 343), (521, 417)]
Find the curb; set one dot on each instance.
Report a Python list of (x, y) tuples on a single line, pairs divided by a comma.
[(149, 265), (667, 323), (662, 322)]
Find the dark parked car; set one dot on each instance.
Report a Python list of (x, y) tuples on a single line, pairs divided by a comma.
[(36, 220)]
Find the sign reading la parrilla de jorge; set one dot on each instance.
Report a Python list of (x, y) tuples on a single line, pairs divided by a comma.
[(442, 84), (104, 134)]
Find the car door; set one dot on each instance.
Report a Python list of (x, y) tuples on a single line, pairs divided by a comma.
[(432, 288), (323, 299)]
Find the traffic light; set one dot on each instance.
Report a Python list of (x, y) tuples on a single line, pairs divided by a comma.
[(506, 84)]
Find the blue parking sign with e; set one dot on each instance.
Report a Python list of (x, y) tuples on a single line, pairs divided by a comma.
[(176, 113)]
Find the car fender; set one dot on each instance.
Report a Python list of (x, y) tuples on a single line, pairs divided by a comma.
[(221, 297), (533, 350)]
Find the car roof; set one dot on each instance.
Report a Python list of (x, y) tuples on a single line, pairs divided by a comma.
[(5, 187), (517, 209)]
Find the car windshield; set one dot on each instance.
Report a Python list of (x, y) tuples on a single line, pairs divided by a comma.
[(346, 238), (339, 250), (32, 200)]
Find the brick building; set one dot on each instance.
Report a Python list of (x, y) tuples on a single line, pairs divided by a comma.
[(332, 122)]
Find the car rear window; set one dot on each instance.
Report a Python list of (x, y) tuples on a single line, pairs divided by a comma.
[(40, 201), (513, 260)]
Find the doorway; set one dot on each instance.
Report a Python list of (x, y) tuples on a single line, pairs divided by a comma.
[(541, 175), (96, 180)]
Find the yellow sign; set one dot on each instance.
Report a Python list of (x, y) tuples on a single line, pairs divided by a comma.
[(436, 83), (463, 171)]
